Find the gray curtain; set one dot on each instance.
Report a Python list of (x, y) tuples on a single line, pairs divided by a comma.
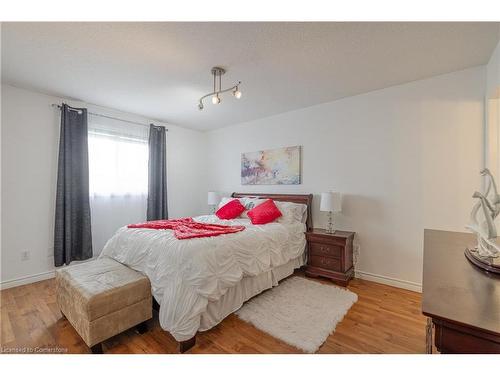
[(72, 235), (157, 174)]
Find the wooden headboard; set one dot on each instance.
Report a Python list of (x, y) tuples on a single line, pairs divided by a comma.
[(294, 198)]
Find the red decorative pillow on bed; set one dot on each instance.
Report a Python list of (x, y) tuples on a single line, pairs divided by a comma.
[(264, 213), (230, 210)]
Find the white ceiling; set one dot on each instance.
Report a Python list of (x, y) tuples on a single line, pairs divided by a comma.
[(159, 70)]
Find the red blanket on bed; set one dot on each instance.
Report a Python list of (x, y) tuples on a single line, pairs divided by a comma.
[(188, 228)]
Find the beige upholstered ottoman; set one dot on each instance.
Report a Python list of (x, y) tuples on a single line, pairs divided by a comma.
[(102, 298)]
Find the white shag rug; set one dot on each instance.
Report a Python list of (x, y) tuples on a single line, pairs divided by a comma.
[(301, 312)]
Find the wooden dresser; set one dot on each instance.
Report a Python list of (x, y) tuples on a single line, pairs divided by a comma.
[(462, 300), (330, 255)]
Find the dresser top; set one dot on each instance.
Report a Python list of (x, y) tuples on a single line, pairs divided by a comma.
[(453, 288), (338, 233)]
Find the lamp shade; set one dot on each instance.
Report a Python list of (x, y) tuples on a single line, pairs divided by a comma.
[(331, 202), (213, 198)]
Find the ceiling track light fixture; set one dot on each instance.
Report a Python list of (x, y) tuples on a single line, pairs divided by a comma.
[(217, 73)]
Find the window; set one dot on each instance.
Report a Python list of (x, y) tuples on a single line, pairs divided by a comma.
[(118, 176), (118, 164)]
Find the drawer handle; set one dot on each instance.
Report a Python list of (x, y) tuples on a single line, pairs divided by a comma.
[(325, 262)]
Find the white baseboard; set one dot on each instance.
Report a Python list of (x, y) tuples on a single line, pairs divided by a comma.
[(409, 285), (37, 277), (27, 280)]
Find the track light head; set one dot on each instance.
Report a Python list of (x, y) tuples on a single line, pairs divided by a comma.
[(216, 99), (200, 106), (237, 92)]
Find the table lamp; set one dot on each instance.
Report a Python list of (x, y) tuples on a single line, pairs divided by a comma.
[(213, 200), (330, 202)]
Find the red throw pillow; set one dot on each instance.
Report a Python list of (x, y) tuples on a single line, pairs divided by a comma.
[(264, 213), (230, 210)]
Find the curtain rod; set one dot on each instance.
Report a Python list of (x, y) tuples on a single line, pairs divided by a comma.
[(105, 116)]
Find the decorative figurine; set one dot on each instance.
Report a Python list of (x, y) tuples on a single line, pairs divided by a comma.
[(486, 253)]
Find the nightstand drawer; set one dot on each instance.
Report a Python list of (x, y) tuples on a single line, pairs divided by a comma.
[(333, 264), (322, 249)]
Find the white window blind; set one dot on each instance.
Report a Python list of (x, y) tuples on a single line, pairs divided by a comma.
[(118, 160)]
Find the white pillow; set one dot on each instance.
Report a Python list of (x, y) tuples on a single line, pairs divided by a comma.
[(249, 203), (291, 212)]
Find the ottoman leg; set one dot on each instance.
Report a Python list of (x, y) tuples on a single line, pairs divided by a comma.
[(96, 349), (141, 328)]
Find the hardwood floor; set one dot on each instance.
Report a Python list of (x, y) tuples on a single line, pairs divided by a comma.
[(384, 320)]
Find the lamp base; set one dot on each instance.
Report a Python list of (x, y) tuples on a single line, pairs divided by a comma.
[(330, 229)]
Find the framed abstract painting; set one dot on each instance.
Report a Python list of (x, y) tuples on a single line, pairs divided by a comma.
[(280, 166)]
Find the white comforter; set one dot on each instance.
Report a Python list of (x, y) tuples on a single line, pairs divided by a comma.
[(186, 274)]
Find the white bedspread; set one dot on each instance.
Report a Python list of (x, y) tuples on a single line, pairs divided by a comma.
[(186, 274)]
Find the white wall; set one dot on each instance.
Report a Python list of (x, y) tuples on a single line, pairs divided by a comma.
[(406, 158), (30, 136), (493, 72), (492, 111)]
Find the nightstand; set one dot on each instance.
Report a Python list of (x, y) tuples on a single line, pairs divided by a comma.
[(330, 255)]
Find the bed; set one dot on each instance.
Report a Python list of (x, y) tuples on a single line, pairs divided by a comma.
[(196, 283)]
